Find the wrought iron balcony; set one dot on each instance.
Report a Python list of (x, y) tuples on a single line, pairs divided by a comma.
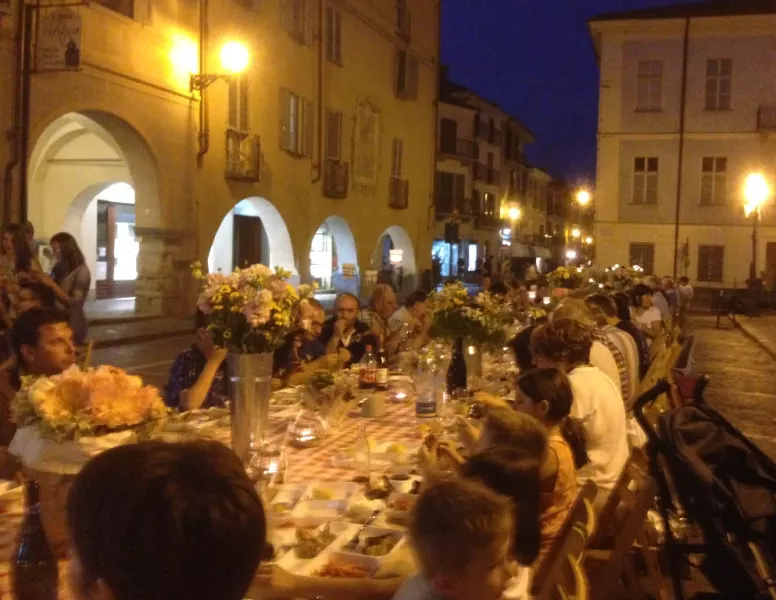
[(243, 156), (335, 179), (399, 190), (462, 149)]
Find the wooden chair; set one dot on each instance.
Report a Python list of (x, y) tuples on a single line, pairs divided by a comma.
[(555, 575), (567, 579), (608, 559)]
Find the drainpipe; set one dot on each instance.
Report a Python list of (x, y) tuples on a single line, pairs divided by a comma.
[(680, 161), (204, 115), (13, 162), (24, 142), (317, 167)]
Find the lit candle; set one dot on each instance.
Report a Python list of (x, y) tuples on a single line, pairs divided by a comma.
[(532, 296), (546, 300)]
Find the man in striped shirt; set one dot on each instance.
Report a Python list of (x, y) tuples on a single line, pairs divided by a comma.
[(604, 311)]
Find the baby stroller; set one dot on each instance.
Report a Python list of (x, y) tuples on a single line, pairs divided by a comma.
[(726, 488)]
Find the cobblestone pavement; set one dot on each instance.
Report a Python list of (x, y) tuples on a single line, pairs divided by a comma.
[(150, 360), (743, 380)]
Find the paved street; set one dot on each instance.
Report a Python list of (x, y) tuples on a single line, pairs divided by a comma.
[(743, 380), (150, 360)]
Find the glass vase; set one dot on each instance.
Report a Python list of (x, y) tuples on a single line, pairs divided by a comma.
[(250, 390)]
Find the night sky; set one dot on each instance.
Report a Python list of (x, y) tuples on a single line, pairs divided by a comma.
[(535, 59)]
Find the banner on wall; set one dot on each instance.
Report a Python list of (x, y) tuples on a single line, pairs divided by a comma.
[(59, 40)]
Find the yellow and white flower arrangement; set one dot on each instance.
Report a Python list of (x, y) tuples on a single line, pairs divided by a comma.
[(250, 310), (79, 403), (455, 315)]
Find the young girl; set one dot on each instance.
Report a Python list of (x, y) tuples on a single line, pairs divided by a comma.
[(546, 395)]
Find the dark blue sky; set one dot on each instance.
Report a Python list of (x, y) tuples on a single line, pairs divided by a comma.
[(535, 59)]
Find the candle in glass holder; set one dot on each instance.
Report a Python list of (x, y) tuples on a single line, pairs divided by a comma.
[(546, 300), (532, 296)]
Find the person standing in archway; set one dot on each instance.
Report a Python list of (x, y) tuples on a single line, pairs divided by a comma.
[(70, 281), (17, 266)]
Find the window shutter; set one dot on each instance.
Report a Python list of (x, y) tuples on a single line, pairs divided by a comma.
[(412, 78), (243, 124), (286, 18), (234, 102), (307, 128), (333, 134), (330, 50), (400, 74), (338, 36), (284, 113)]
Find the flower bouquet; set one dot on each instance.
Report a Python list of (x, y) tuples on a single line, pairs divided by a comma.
[(564, 277), (66, 419), (454, 315), (250, 312)]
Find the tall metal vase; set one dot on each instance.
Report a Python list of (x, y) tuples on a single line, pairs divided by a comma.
[(250, 388)]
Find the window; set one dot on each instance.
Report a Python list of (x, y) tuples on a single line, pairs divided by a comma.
[(334, 35), (645, 180), (238, 104), (296, 124), (396, 158), (448, 136), (643, 255), (491, 131), (402, 20), (719, 74), (449, 191), (649, 85), (405, 75), (124, 7), (489, 205), (710, 262), (713, 181), (333, 134), (293, 18), (490, 174)]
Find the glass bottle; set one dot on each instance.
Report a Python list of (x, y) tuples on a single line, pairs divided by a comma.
[(367, 370), (34, 569), (381, 376), (456, 372), (362, 455)]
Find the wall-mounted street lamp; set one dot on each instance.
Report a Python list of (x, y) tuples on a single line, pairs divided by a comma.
[(234, 60)]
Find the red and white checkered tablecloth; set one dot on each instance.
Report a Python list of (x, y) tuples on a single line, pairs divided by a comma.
[(323, 463)]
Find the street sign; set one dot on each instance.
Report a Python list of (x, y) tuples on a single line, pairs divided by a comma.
[(59, 40)]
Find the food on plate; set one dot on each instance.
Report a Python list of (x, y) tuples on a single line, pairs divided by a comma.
[(344, 570), (379, 545), (401, 504), (322, 494), (378, 489), (281, 507), (311, 541), (395, 449)]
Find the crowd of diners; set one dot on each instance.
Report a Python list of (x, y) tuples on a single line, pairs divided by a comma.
[(158, 520)]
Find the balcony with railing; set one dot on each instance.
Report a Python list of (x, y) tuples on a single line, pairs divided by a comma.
[(243, 156), (461, 149), (766, 118), (489, 176), (399, 193), (335, 179)]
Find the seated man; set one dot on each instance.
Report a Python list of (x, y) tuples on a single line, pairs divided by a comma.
[(198, 376), (42, 342), (158, 521), (344, 330), (312, 317), (413, 318)]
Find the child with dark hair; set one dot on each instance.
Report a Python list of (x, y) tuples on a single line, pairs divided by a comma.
[(157, 521), (546, 395), (198, 377)]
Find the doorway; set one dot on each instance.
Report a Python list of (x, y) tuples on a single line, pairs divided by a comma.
[(117, 250), (247, 240)]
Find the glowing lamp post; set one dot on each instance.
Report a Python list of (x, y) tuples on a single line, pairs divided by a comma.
[(756, 193), (234, 60)]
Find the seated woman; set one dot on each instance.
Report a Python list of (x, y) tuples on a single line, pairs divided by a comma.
[(645, 315), (289, 366), (597, 404)]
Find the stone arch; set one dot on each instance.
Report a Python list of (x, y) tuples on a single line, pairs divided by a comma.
[(276, 247), (396, 237), (342, 280), (75, 158)]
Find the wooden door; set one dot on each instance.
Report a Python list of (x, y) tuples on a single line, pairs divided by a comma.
[(247, 237)]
